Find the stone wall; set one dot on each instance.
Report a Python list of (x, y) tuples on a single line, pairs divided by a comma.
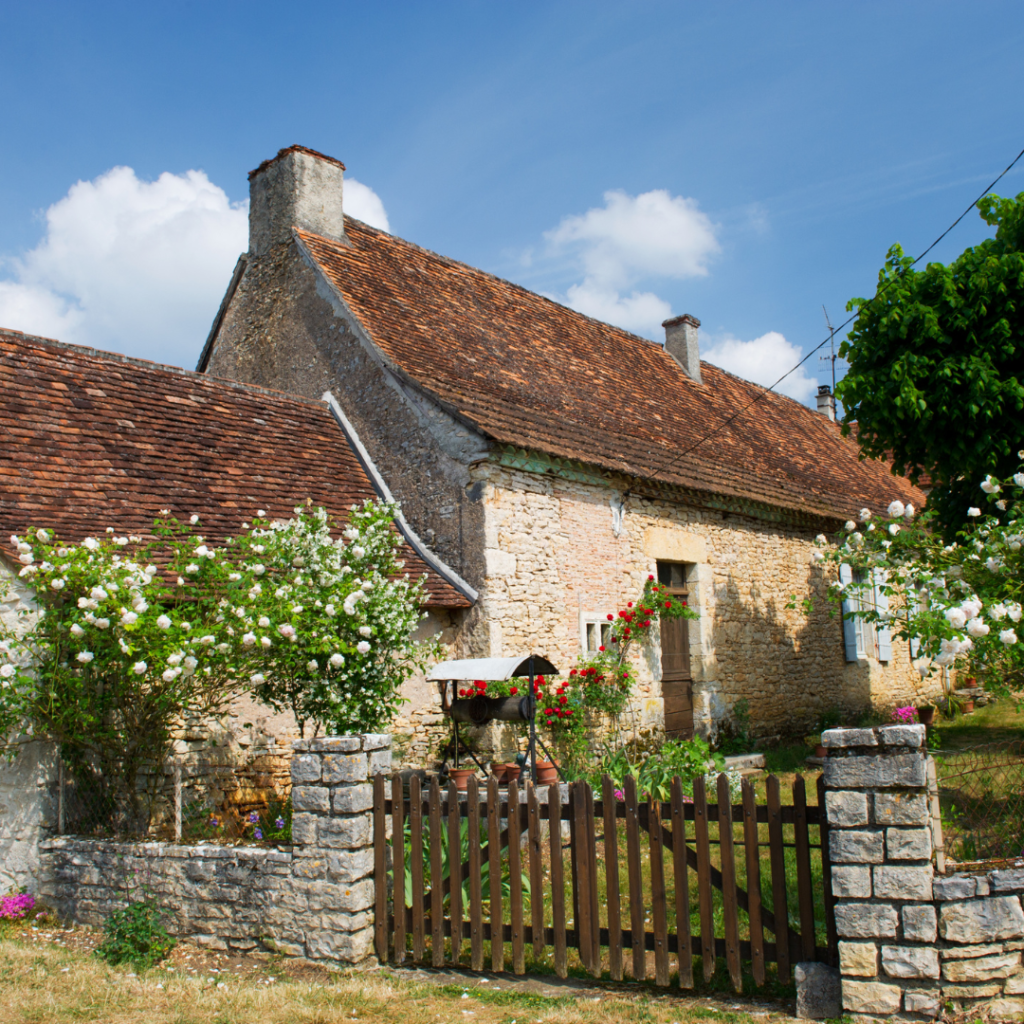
[(313, 899), (911, 942)]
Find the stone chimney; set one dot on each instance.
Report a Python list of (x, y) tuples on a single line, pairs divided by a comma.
[(681, 343), (826, 402), (297, 188)]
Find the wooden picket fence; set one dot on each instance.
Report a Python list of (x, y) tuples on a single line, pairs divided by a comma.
[(422, 918)]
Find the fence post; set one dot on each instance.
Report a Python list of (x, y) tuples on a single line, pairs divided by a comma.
[(177, 802), (933, 798), (60, 794)]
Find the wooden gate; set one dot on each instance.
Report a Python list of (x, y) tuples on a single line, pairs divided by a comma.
[(648, 890)]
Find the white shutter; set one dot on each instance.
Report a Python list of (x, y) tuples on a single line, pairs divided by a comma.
[(882, 630), (851, 633)]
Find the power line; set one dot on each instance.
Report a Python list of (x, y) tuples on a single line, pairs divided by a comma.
[(833, 331)]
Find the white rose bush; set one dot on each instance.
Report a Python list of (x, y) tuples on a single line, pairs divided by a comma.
[(960, 601), (131, 636), (326, 625)]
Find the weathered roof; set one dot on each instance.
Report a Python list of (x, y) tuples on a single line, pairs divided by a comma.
[(531, 373), (90, 439)]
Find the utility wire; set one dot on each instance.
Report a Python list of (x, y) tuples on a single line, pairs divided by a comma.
[(849, 319)]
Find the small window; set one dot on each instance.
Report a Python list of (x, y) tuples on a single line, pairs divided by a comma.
[(595, 634)]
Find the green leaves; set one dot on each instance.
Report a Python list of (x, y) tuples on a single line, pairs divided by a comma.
[(936, 378)]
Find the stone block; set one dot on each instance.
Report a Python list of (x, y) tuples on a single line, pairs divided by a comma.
[(346, 922), (337, 744), (983, 968), (849, 738), (871, 997), (985, 920), (858, 959), (1014, 985), (344, 768), (347, 947), (311, 798), (304, 829), (1006, 881), (953, 887), (922, 1000), (1005, 1009), (971, 991), (349, 865), (378, 763), (376, 741), (920, 924), (866, 921), (305, 769), (309, 866), (851, 881), (908, 843), (846, 808), (900, 771), (982, 886), (352, 799), (902, 735), (966, 952), (903, 882), (818, 991), (332, 896), (344, 833), (910, 961), (901, 809), (856, 847)]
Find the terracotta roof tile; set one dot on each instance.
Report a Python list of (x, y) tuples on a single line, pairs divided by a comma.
[(89, 439), (529, 372)]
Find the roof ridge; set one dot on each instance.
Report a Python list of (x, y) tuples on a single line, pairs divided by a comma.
[(102, 355)]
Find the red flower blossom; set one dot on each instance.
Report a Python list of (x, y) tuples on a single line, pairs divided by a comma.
[(629, 604), (513, 690), (601, 648), (611, 618), (668, 604), (563, 700), (549, 711), (651, 577)]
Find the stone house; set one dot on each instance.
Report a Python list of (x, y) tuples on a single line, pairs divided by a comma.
[(555, 461), (93, 440)]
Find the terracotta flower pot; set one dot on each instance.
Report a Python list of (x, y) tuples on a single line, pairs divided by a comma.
[(500, 772), (968, 707), (546, 773), (926, 714), (461, 777), (820, 751), (511, 772)]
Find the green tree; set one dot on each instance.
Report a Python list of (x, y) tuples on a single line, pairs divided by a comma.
[(936, 378)]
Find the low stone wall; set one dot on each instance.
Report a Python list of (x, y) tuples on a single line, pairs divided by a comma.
[(314, 899), (910, 941)]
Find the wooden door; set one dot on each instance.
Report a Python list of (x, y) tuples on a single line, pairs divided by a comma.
[(676, 681)]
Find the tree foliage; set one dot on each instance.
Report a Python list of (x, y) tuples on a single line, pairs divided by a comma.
[(936, 364)]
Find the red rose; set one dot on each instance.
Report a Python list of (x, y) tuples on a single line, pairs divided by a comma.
[(668, 604), (572, 672), (568, 712), (611, 618), (651, 577), (563, 700), (514, 690), (549, 711), (601, 648), (648, 622), (629, 604)]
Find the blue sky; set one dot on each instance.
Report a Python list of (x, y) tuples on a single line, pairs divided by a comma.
[(742, 162)]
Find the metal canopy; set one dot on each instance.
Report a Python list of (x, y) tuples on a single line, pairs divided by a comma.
[(492, 668)]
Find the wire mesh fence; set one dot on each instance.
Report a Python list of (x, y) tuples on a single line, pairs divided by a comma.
[(981, 798), (173, 801)]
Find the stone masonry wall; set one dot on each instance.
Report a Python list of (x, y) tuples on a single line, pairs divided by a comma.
[(910, 942), (313, 899)]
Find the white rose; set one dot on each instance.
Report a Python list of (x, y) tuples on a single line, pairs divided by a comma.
[(976, 627), (989, 485), (263, 622), (896, 509), (1008, 636), (1014, 611), (186, 626), (85, 657), (128, 618), (164, 622), (893, 529), (249, 639), (909, 511), (151, 570), (102, 623), (140, 605), (139, 668), (312, 666), (850, 526), (76, 630), (175, 659), (90, 544), (98, 594), (192, 568), (208, 639), (265, 641), (865, 515), (997, 611), (330, 609), (6, 671), (191, 663), (259, 569), (194, 520), (57, 584), (171, 674), (358, 552), (43, 536), (286, 630), (365, 631), (337, 660), (363, 647), (974, 512), (257, 679), (957, 618)]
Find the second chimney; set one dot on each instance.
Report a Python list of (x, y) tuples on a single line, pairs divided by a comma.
[(826, 402), (681, 343), (297, 188)]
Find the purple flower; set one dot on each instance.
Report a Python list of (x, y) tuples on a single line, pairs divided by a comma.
[(14, 907), (619, 795), (214, 822), (253, 818), (279, 824), (258, 833)]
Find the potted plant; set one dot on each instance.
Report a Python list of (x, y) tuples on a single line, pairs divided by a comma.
[(547, 772), (926, 714), (814, 741), (461, 777)]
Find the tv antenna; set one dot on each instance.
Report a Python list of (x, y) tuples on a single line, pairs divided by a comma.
[(833, 355)]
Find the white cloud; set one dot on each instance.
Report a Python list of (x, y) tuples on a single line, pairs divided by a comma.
[(136, 266), (364, 204), (763, 361), (628, 240)]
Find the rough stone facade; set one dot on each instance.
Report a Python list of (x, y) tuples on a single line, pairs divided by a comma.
[(314, 899), (911, 942)]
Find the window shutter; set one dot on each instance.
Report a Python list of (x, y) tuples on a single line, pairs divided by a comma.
[(882, 630), (851, 634)]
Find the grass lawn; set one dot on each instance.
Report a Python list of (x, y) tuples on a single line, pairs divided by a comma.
[(48, 975), (998, 722)]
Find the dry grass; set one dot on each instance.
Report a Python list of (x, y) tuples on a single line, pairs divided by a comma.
[(45, 983)]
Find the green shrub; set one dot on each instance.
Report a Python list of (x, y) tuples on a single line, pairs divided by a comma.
[(135, 934)]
